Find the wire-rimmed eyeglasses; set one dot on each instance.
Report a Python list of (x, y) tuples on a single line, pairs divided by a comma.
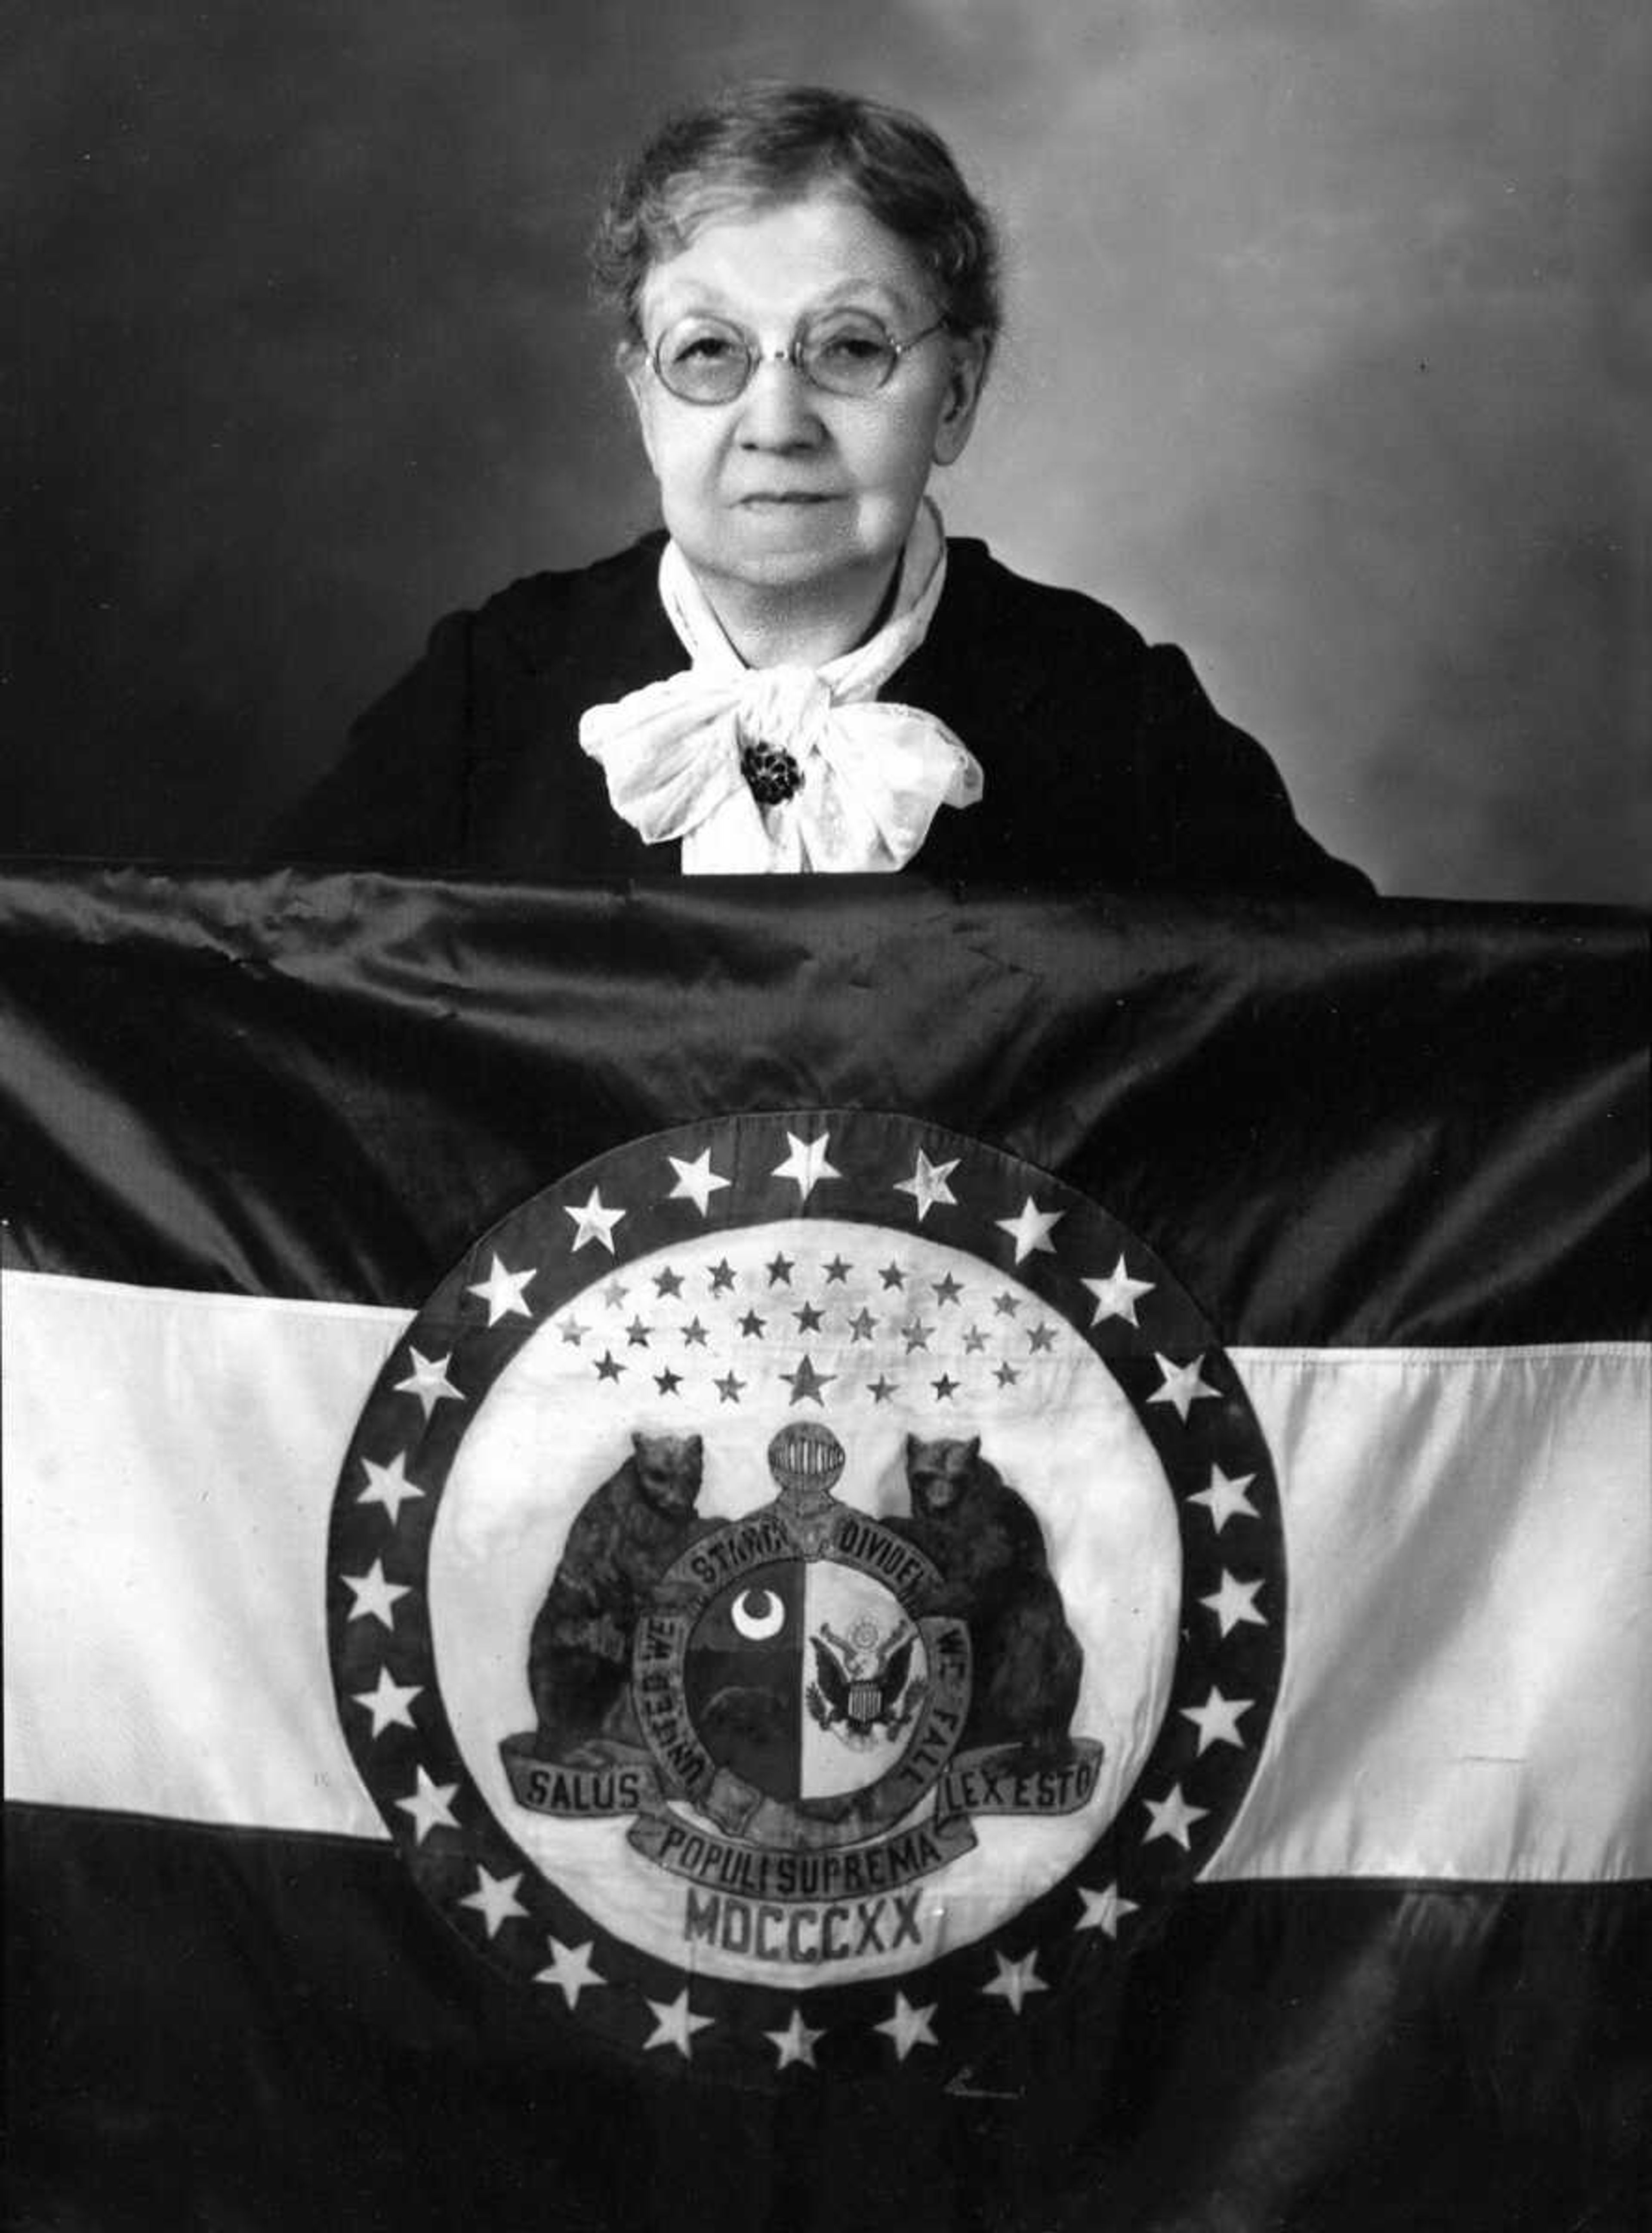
[(706, 360)]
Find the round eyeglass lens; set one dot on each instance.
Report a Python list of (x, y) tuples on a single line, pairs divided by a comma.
[(703, 360), (846, 353)]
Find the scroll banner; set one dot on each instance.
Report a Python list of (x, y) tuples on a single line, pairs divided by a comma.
[(780, 1554)]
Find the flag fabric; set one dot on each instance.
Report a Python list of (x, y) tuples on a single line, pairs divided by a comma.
[(787, 1554)]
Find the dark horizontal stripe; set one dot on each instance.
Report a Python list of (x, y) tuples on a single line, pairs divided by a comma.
[(236, 2029), (1412, 1124)]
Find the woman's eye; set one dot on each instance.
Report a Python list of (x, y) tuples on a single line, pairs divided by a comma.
[(851, 352), (758, 1615), (702, 345), (851, 345)]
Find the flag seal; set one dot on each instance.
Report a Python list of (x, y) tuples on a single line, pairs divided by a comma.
[(804, 1587)]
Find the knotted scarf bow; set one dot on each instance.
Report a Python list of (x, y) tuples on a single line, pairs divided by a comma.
[(788, 768)]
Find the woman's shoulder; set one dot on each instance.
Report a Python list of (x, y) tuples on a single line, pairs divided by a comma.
[(452, 766), (1105, 757), (546, 615), (984, 593), (1003, 651)]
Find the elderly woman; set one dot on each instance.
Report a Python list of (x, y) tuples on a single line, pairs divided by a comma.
[(802, 672)]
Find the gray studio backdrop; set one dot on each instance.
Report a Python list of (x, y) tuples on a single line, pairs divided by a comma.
[(1331, 329)]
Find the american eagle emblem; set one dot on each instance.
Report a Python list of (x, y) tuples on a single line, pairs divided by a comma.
[(863, 1682)]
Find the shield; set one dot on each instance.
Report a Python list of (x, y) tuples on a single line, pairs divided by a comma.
[(803, 1676)]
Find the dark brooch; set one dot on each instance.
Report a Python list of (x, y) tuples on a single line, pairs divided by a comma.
[(771, 772)]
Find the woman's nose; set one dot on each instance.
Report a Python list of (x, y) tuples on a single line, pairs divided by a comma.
[(779, 409)]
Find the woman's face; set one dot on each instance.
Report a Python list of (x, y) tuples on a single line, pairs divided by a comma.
[(787, 488)]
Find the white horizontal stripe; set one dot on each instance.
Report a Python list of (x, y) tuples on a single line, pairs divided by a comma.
[(1468, 1531), (1470, 1647)]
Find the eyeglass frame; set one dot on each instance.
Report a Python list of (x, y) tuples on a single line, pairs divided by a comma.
[(756, 356)]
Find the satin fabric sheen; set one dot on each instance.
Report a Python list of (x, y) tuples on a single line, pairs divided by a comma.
[(1324, 1116), (1422, 1126)]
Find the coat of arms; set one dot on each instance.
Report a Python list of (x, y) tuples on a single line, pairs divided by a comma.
[(799, 1681)]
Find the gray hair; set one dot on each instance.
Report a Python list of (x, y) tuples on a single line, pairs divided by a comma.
[(759, 144)]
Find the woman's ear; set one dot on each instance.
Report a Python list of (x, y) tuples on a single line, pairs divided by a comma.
[(963, 394), (631, 359)]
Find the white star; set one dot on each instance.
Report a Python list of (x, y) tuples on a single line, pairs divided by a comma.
[(374, 1597), (1104, 1910), (1226, 1498), (1182, 1385), (429, 1804), (909, 2027), (388, 1485), (795, 2043), (927, 1184), (1115, 1295), (1217, 1720), (593, 1222), (673, 2026), (495, 1898), (1029, 1229), (806, 1164), (1235, 1602), (502, 1292), (1173, 1817), (696, 1182), (388, 1701), (428, 1381), (570, 1970), (1015, 1980)]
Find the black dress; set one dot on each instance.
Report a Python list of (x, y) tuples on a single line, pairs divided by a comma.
[(1105, 763)]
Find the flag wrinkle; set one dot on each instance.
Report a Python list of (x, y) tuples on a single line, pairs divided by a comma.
[(381, 1008)]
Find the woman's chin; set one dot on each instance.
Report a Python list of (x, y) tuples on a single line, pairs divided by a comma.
[(789, 558)]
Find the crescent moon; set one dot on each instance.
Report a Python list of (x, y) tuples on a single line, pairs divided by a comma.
[(758, 1615)]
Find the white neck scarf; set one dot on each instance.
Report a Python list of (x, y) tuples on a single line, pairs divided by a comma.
[(869, 779)]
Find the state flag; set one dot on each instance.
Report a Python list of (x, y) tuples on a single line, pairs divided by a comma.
[(777, 1555)]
